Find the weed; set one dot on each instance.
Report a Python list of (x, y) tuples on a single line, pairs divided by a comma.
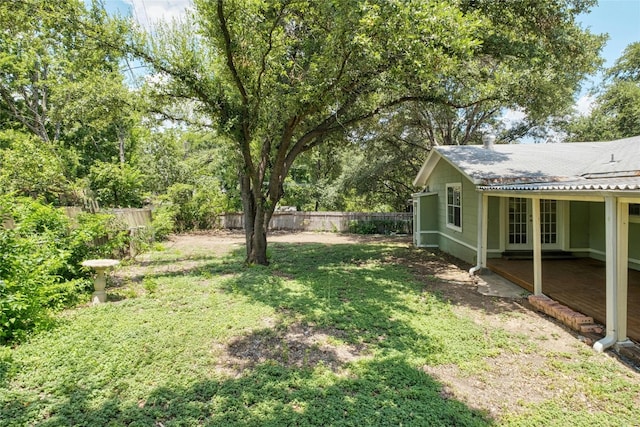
[(150, 285)]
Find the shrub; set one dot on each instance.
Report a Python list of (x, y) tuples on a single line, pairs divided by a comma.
[(40, 261), (193, 206), (378, 226), (163, 221), (116, 185)]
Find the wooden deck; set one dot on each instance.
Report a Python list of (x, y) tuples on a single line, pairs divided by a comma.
[(577, 283)]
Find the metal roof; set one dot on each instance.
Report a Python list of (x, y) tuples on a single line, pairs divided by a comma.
[(602, 184), (611, 165)]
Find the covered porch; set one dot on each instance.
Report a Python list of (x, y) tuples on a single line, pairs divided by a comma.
[(578, 283), (599, 290)]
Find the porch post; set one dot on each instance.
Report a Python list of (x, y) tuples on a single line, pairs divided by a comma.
[(485, 228), (417, 236), (623, 271), (537, 247), (483, 219), (611, 247)]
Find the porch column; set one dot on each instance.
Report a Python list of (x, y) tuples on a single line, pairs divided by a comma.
[(623, 272), (483, 219), (417, 236), (612, 268), (537, 247)]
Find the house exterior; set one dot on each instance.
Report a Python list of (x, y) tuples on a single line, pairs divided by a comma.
[(480, 202)]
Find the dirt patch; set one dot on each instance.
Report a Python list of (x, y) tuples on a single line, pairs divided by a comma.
[(298, 345), (223, 241)]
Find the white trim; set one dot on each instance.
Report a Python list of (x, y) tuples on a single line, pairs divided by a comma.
[(458, 186), (416, 219), (453, 239), (427, 168), (460, 242), (570, 196), (424, 193), (528, 224), (537, 246), (623, 271), (591, 252), (626, 199)]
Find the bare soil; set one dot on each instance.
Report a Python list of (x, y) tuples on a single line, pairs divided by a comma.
[(509, 380)]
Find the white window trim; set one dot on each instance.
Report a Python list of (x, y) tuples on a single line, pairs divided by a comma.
[(458, 186)]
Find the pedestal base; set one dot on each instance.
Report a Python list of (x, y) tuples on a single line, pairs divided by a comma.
[(99, 297)]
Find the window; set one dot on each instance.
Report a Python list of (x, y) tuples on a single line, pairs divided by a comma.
[(454, 206), (634, 209)]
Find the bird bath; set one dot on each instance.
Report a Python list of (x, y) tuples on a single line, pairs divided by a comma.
[(100, 281)]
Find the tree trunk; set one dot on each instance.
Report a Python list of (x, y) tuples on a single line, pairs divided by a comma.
[(256, 222)]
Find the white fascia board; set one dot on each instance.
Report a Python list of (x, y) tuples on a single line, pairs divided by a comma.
[(430, 164), (427, 168), (425, 193)]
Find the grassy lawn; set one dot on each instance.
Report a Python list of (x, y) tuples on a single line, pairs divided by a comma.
[(326, 335)]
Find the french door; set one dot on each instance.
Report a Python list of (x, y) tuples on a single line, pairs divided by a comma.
[(520, 224)]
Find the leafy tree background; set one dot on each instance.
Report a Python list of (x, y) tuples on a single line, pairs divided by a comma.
[(278, 79), (616, 112), (249, 104)]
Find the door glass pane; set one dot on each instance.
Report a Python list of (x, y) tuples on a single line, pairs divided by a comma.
[(517, 220), (548, 221)]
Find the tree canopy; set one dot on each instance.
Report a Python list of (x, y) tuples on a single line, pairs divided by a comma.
[(63, 86), (616, 110), (279, 78)]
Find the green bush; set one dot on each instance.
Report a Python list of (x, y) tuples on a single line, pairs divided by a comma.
[(362, 227), (378, 226), (163, 221), (116, 185), (40, 261), (193, 207), (30, 167)]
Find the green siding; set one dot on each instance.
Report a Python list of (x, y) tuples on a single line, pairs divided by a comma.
[(579, 224), (588, 231), (428, 220), (493, 224), (596, 227), (460, 244), (429, 212)]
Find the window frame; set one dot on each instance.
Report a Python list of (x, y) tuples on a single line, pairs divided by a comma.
[(454, 186), (634, 215)]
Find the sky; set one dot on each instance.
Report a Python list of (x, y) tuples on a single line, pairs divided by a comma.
[(620, 19)]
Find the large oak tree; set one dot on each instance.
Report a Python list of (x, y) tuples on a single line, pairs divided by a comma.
[(278, 78)]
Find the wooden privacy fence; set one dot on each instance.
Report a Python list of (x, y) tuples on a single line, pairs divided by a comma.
[(343, 222), (134, 218)]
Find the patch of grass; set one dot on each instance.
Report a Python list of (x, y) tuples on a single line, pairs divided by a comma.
[(326, 335)]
